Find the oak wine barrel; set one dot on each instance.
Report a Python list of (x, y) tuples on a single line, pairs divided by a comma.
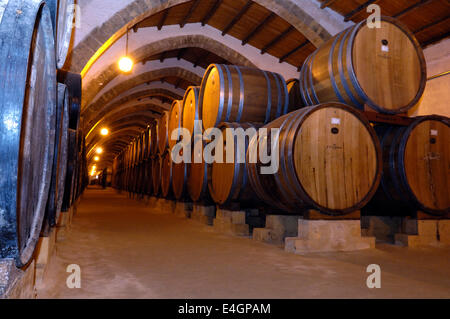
[(70, 171), (381, 67), (191, 111), (231, 93), (175, 121), (73, 83), (416, 163), (27, 129), (62, 12), (179, 179), (156, 175), (56, 192), (198, 173), (329, 159), (163, 132), (295, 98), (228, 182), (154, 138), (166, 174)]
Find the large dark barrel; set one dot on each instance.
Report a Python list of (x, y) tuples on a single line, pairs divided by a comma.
[(232, 93), (329, 159), (381, 67), (175, 121), (56, 191), (154, 139), (295, 98), (198, 172), (163, 132), (179, 179), (228, 181), (62, 12), (416, 165), (191, 111), (73, 83), (70, 171), (27, 129), (166, 174), (156, 175)]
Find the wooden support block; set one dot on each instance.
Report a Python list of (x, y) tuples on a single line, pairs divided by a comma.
[(45, 248), (183, 209)]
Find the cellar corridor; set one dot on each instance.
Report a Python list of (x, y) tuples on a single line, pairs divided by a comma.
[(127, 249)]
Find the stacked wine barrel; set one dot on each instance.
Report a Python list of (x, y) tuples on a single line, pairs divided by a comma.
[(39, 131), (329, 154)]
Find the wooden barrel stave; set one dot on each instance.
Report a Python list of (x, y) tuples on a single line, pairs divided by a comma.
[(166, 174), (62, 12), (156, 175), (163, 133), (198, 173), (28, 103)]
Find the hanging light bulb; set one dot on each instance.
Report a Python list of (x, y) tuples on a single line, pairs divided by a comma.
[(99, 150), (104, 131), (125, 63), (96, 158)]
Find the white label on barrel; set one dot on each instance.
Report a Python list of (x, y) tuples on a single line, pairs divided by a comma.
[(434, 133), (335, 121), (3, 4), (384, 48)]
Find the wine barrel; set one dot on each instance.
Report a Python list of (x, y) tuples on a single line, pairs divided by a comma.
[(56, 191), (154, 138), (175, 121), (232, 93), (381, 67), (62, 12), (329, 159), (148, 180), (70, 172), (163, 132), (156, 175), (198, 173), (27, 129), (295, 98), (416, 165), (166, 174), (73, 83), (228, 181), (191, 111), (179, 179)]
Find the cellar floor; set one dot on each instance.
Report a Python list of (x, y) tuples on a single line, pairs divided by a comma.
[(126, 249)]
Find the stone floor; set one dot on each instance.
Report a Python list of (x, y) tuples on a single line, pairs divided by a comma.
[(127, 249)]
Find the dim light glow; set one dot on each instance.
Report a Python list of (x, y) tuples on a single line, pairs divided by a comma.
[(99, 150), (96, 158), (125, 64), (104, 131)]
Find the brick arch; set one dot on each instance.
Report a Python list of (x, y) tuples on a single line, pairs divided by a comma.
[(150, 49), (90, 111), (114, 28)]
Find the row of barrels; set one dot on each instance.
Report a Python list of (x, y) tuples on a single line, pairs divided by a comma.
[(41, 145), (330, 156)]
